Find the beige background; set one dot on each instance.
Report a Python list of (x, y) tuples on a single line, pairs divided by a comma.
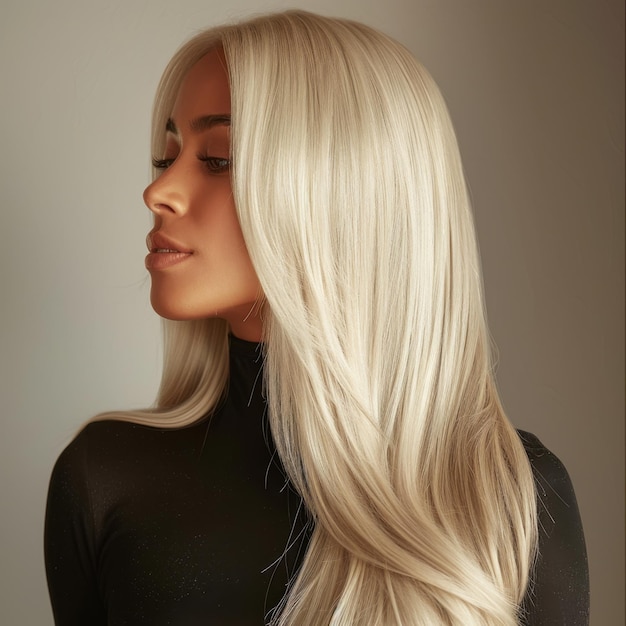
[(536, 89)]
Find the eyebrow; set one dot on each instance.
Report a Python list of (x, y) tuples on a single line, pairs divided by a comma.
[(201, 123)]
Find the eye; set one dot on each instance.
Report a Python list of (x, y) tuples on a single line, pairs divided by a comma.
[(161, 164), (215, 165)]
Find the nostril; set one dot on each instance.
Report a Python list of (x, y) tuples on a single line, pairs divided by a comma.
[(152, 200), (161, 197)]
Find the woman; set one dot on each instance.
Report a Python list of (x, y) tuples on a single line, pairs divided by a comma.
[(314, 253)]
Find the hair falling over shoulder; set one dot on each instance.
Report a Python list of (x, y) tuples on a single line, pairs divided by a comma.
[(352, 201)]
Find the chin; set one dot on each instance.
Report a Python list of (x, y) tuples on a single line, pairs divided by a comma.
[(171, 310), (244, 319)]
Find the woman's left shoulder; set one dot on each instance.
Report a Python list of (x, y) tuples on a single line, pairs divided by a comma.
[(547, 467), (559, 587)]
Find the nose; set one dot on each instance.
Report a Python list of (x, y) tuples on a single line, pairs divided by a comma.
[(164, 195)]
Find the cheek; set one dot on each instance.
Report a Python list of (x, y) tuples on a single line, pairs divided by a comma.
[(225, 256), (219, 232)]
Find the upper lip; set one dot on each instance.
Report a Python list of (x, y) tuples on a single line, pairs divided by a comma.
[(158, 241)]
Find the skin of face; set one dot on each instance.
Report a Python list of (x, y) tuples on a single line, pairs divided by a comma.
[(198, 261)]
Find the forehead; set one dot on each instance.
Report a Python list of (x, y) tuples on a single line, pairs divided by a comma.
[(204, 90)]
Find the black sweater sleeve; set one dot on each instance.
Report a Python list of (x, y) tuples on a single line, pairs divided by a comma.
[(69, 542), (558, 594)]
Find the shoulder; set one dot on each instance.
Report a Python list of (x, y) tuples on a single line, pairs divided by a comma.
[(95, 440), (555, 491), (95, 446), (110, 462), (103, 451), (550, 473), (559, 587), (111, 442), (106, 453)]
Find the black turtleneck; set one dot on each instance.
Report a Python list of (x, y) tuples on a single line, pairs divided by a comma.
[(190, 527)]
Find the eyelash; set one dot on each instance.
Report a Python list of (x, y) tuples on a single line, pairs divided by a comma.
[(215, 165)]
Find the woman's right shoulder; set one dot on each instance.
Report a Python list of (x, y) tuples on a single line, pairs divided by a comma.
[(97, 447), (106, 448), (98, 435)]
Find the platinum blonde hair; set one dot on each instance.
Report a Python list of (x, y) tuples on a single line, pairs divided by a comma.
[(351, 197)]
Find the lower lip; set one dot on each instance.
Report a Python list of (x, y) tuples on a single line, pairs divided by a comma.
[(163, 260)]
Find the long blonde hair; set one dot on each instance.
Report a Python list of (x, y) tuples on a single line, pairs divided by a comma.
[(351, 197)]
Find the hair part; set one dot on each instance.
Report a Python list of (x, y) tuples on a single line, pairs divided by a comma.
[(352, 201)]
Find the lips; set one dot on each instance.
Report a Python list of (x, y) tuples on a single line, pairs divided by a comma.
[(164, 252), (159, 243)]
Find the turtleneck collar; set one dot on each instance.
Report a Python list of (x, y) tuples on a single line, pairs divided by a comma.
[(245, 349)]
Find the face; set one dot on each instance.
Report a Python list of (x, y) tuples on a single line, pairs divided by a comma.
[(198, 260)]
